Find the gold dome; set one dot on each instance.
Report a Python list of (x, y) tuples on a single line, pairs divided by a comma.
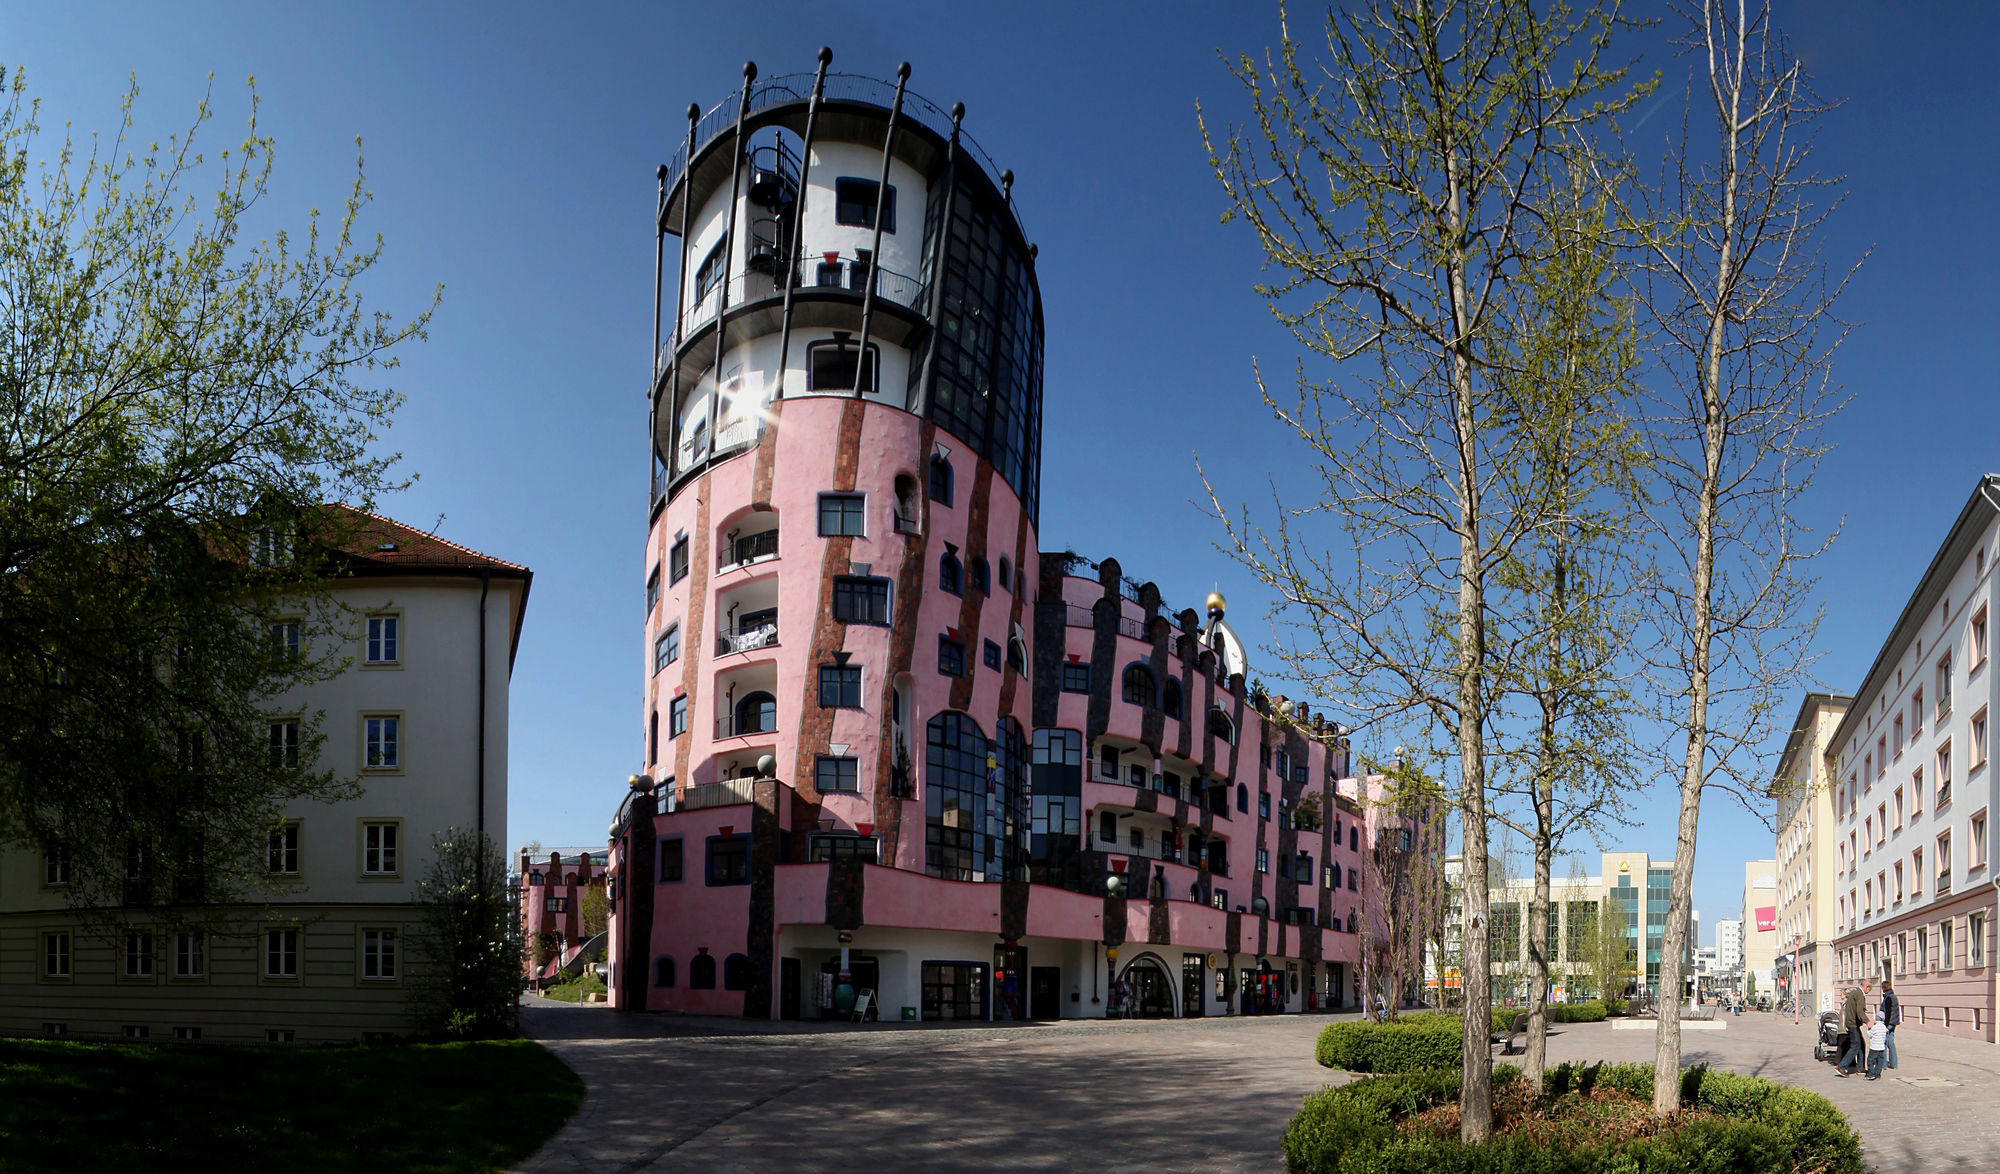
[(1216, 603)]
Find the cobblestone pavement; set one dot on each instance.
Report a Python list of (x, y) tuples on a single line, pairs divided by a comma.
[(669, 1093)]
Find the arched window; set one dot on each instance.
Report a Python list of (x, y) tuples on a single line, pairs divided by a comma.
[(976, 569), (736, 972), (653, 739), (1006, 574), (1243, 798), (951, 577), (757, 713), (663, 971), (940, 481), (1140, 688), (1219, 725), (701, 973), (1170, 697)]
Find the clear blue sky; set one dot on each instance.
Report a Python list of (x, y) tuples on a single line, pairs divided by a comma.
[(511, 151)]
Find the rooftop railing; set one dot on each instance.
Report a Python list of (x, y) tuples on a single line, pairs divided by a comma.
[(840, 87)]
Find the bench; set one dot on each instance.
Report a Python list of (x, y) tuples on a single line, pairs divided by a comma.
[(1513, 1033)]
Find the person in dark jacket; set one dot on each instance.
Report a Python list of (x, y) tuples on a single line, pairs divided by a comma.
[(1853, 1013), (1892, 1014)]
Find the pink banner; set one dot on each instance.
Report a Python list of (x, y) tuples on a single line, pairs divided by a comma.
[(1767, 918)]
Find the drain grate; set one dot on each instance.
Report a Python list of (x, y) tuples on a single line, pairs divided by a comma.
[(1928, 1081)]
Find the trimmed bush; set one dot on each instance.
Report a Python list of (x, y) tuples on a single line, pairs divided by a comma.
[(1758, 1126), (1425, 1042)]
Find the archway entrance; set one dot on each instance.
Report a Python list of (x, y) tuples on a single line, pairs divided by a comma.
[(1152, 990)]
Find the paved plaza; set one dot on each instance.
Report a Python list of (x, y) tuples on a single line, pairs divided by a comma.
[(668, 1093)]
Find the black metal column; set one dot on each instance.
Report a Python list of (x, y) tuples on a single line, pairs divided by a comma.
[(875, 259), (797, 249)]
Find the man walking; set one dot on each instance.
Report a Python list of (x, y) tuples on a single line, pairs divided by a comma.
[(1853, 1014), (1892, 1014)]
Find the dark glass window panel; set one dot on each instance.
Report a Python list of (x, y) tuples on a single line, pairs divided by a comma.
[(1076, 677), (861, 600), (842, 514), (830, 366), (840, 686), (854, 204), (837, 774)]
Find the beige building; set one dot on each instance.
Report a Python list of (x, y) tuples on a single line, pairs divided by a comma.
[(1760, 927), (420, 716), (1806, 835), (1638, 886)]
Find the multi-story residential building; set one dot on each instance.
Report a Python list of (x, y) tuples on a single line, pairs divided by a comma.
[(1760, 927), (1806, 836), (1574, 903), (420, 716), (1729, 946), (890, 744), (1913, 792), (552, 889)]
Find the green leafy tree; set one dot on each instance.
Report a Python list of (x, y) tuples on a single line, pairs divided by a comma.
[(178, 401), (594, 910), (469, 940)]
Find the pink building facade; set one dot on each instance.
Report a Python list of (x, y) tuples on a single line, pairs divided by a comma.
[(552, 888), (892, 748)]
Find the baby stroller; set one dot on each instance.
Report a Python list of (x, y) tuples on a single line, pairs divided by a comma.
[(1832, 1042)]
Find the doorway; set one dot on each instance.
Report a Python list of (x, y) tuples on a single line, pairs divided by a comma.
[(1194, 976), (865, 974), (1152, 991), (788, 988), (1045, 992), (954, 990)]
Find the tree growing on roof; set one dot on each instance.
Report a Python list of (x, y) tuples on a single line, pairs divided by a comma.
[(179, 401)]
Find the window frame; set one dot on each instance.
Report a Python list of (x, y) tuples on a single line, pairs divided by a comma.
[(653, 591), (389, 734), (677, 716), (870, 372), (677, 559), (362, 959), (1076, 676), (843, 765), (268, 951), (679, 844), (190, 945), (878, 206), (852, 590), (951, 657), (388, 849), (382, 640), (138, 955), (842, 509), (847, 686), (709, 858), (666, 647), (284, 845)]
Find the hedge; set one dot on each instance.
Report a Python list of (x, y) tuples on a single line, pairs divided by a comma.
[(1424, 1041), (1765, 1127)]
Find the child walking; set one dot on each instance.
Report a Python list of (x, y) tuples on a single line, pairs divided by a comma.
[(1878, 1046)]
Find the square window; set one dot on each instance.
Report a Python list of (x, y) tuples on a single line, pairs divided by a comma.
[(677, 560), (285, 744), (840, 686), (837, 774), (843, 514), (729, 860), (378, 954), (281, 857), (1076, 676), (667, 647), (861, 599), (991, 654), (378, 849), (951, 657), (672, 860), (384, 639), (382, 742), (854, 202), (677, 717), (285, 640), (281, 953), (830, 365), (190, 955)]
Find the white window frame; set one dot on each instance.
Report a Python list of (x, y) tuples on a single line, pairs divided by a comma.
[(379, 946), (190, 955), (282, 847), (281, 945), (136, 955), (381, 843), (382, 743), (382, 639), (285, 739), (285, 640), (58, 945)]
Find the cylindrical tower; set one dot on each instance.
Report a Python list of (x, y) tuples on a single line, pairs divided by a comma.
[(846, 415)]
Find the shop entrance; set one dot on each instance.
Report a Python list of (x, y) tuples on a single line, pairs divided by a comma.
[(1194, 974), (865, 974), (1045, 992), (1152, 993), (1263, 992), (954, 990)]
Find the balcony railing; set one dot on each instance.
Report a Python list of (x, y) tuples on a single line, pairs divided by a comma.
[(1078, 616), (750, 548), (745, 725), (843, 276), (727, 793), (765, 636)]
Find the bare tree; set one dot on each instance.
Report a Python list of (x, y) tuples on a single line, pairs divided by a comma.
[(1743, 311), (1402, 883), (1388, 186)]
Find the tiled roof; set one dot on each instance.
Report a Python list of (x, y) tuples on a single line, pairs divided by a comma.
[(384, 542)]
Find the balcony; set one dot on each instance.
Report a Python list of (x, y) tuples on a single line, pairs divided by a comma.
[(749, 549), (747, 640), (747, 723), (728, 793)]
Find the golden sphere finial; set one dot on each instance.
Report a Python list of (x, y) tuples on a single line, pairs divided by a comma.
[(1216, 603)]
